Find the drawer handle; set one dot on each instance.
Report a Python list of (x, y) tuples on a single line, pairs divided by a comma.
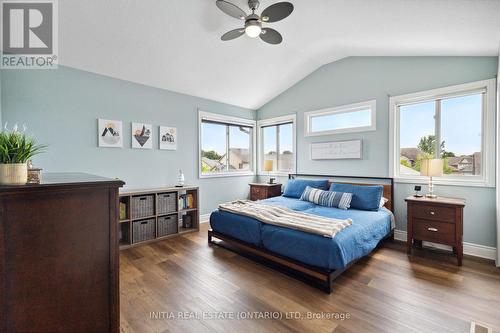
[(432, 213), (432, 229)]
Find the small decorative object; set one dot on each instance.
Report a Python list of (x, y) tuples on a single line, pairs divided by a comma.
[(16, 148), (168, 138), (180, 179), (187, 221), (268, 166), (417, 194), (34, 174), (109, 133), (431, 168), (141, 136)]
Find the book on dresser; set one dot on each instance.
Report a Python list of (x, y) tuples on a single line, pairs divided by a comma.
[(150, 215)]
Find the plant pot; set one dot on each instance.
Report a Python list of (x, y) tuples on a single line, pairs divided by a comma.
[(13, 174)]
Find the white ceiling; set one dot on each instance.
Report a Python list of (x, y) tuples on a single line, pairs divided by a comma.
[(175, 45)]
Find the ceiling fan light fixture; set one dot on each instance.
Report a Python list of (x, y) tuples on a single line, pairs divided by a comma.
[(253, 31)]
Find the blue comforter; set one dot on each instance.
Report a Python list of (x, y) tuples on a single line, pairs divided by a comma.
[(354, 242)]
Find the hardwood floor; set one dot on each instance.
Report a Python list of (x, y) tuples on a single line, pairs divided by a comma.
[(385, 292)]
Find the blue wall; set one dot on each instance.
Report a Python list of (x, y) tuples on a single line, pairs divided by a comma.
[(358, 79), (61, 107)]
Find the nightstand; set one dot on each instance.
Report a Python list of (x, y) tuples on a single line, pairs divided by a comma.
[(438, 220), (260, 191)]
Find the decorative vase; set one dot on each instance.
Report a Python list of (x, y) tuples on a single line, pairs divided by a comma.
[(13, 174)]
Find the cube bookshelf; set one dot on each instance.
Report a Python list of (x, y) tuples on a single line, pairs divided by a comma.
[(151, 215)]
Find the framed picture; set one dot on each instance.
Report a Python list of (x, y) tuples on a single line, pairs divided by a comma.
[(142, 136), (168, 138), (109, 133)]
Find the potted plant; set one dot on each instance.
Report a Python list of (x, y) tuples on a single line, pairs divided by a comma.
[(16, 148)]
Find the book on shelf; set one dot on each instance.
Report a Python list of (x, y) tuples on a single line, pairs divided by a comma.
[(186, 201), (123, 211)]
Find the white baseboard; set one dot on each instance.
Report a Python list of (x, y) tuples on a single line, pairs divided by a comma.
[(470, 249), (204, 218)]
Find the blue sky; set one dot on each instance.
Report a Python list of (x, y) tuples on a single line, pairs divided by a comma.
[(460, 127), (460, 124), (341, 120), (213, 137)]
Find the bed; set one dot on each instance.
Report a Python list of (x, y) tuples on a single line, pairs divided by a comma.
[(313, 258)]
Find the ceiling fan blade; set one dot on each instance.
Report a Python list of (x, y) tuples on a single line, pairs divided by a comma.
[(271, 36), (277, 12), (231, 9), (232, 34)]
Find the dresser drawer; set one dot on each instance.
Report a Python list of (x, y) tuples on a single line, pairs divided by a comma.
[(432, 212), (433, 231)]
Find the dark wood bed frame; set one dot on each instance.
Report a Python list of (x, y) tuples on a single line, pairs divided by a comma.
[(316, 276)]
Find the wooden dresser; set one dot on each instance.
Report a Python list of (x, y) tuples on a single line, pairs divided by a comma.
[(261, 191), (438, 220), (59, 255)]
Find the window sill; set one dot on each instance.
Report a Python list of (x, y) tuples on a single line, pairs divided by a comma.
[(444, 182), (227, 174), (275, 174)]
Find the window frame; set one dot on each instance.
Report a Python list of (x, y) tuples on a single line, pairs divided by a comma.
[(371, 104), (487, 176), (228, 120), (292, 118)]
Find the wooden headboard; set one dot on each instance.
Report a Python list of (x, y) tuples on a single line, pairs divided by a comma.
[(387, 183)]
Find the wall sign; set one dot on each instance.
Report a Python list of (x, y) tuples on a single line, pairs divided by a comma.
[(336, 150)]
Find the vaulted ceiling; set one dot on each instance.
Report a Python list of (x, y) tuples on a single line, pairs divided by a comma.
[(175, 44)]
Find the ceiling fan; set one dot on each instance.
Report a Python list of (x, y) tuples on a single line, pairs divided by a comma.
[(253, 22)]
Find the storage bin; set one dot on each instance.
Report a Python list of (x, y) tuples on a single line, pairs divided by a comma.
[(142, 206), (167, 225), (143, 230), (166, 202)]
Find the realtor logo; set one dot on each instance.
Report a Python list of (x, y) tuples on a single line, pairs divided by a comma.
[(29, 34)]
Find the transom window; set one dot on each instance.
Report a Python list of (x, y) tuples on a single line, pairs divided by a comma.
[(452, 124), (357, 117), (226, 145)]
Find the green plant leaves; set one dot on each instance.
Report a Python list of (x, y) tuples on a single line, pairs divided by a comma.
[(16, 147)]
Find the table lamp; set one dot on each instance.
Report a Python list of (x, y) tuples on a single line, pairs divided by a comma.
[(268, 166), (431, 168)]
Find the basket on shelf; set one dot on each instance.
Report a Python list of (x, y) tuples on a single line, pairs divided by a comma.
[(166, 203), (142, 206), (143, 230), (167, 225)]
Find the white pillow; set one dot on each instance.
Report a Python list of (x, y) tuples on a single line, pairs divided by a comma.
[(383, 201)]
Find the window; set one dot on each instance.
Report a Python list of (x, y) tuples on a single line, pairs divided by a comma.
[(277, 143), (226, 145), (357, 117), (453, 124)]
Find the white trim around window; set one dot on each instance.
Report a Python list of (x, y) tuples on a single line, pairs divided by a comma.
[(292, 118), (487, 177), (370, 105), (230, 120)]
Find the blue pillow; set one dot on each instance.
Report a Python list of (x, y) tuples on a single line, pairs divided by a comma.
[(295, 187), (363, 197), (327, 198)]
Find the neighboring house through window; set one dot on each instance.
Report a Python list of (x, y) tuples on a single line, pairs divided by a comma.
[(277, 143), (226, 145), (455, 124)]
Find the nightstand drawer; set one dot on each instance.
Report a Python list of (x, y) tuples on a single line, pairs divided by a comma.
[(431, 212), (258, 193), (432, 231)]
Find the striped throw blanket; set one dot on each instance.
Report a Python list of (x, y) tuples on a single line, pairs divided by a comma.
[(285, 217)]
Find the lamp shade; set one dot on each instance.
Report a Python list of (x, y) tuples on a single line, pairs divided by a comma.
[(431, 168), (268, 165)]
